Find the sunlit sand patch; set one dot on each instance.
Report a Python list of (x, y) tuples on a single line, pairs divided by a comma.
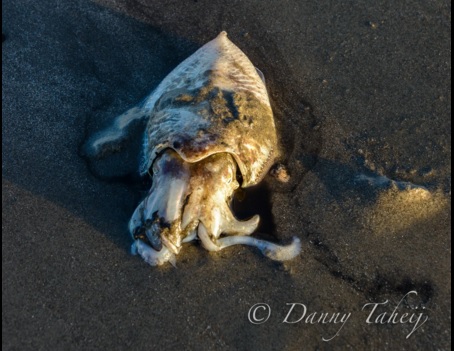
[(380, 181), (399, 209)]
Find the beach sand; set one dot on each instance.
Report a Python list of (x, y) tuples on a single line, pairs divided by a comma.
[(362, 99)]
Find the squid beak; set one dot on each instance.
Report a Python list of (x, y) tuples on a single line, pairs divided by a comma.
[(153, 231)]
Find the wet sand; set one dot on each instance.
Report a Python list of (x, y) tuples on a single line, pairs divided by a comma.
[(362, 99)]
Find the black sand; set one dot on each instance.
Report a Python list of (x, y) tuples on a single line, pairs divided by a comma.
[(357, 88)]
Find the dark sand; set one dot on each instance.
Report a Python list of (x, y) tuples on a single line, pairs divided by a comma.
[(357, 88)]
